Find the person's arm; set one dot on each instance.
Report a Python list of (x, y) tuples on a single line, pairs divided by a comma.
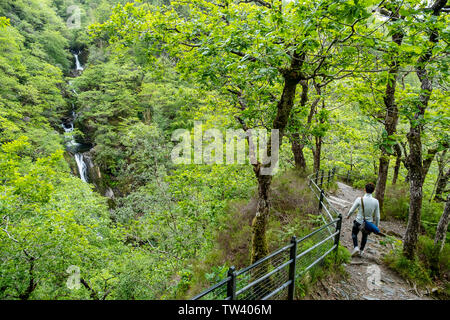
[(377, 214), (355, 206)]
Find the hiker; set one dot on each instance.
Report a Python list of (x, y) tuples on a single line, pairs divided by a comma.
[(368, 206)]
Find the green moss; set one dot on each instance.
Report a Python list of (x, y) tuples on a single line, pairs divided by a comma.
[(413, 270)]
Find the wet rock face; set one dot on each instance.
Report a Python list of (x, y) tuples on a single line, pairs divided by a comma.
[(94, 172), (97, 178), (72, 164)]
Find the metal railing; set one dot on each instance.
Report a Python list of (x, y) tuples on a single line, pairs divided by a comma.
[(315, 182), (274, 276)]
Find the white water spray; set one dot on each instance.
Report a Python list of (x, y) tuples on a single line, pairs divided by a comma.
[(82, 168), (78, 66)]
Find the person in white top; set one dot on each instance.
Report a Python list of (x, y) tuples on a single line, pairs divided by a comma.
[(368, 207)]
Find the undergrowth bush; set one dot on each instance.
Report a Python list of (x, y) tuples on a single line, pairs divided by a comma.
[(437, 263), (431, 213), (413, 270), (331, 265), (429, 268), (396, 202)]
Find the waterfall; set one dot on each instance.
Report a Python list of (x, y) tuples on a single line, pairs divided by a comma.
[(72, 145), (78, 66), (81, 166), (70, 140)]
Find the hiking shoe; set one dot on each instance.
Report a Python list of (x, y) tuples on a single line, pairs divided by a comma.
[(355, 251), (362, 254)]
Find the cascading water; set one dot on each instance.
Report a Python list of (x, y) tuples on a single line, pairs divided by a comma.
[(72, 145), (81, 166), (78, 66)]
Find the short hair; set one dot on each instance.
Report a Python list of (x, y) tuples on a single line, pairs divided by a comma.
[(370, 187)]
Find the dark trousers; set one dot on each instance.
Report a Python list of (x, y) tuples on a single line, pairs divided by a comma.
[(355, 231)]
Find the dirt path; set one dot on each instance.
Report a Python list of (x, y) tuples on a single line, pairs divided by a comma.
[(369, 278)]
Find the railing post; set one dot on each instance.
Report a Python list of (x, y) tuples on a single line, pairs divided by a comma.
[(321, 179), (292, 266), (329, 178), (337, 237), (317, 177), (321, 199), (334, 171), (231, 285), (348, 176)]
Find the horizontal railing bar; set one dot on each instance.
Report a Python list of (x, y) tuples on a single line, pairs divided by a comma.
[(257, 263), (331, 206), (329, 214), (264, 277), (325, 221), (277, 290), (214, 287), (318, 189), (316, 245), (320, 258), (317, 230)]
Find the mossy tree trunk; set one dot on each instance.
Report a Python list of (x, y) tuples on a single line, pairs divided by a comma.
[(443, 177), (441, 231), (298, 142), (390, 120), (416, 168), (297, 150), (292, 77), (259, 241)]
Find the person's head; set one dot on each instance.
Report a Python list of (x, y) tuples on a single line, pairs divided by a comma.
[(370, 187)]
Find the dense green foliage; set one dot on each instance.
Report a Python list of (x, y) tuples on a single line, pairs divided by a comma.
[(145, 228)]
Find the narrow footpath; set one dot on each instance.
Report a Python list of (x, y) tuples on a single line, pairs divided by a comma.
[(368, 277)]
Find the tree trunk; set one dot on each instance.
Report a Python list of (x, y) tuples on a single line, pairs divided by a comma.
[(390, 121), (316, 153), (259, 241), (415, 190), (383, 170), (297, 150), (297, 141), (441, 231), (398, 162), (442, 185), (284, 107), (417, 169)]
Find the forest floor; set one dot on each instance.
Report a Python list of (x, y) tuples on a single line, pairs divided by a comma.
[(368, 277)]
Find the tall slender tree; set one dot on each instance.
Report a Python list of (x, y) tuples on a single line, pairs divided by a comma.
[(391, 108), (417, 164)]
